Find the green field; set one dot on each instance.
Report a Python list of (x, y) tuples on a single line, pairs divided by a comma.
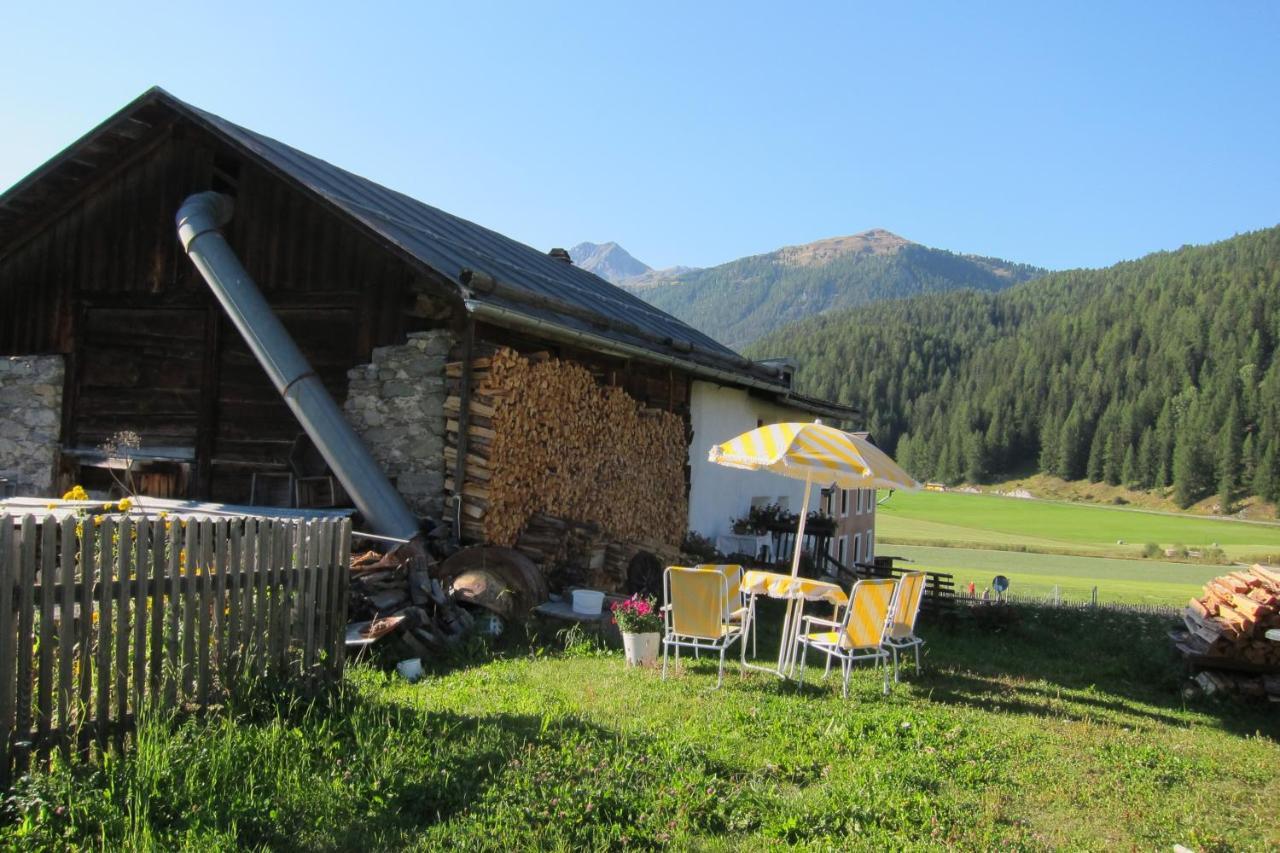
[(1129, 581), (932, 518)]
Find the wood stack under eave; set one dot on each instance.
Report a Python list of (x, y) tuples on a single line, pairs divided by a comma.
[(545, 437), (1226, 632)]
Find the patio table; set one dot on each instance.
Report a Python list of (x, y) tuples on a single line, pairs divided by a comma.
[(796, 591)]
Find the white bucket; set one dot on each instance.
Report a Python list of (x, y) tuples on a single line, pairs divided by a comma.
[(588, 602), (410, 669)]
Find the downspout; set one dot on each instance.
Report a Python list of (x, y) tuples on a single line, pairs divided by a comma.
[(198, 220)]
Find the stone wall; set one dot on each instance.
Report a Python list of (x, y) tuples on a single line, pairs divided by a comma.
[(397, 405), (30, 421)]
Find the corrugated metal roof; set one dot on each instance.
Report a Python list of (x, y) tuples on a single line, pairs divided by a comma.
[(530, 282), (450, 244)]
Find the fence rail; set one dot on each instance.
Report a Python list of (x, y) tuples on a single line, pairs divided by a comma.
[(103, 617), (1071, 604)]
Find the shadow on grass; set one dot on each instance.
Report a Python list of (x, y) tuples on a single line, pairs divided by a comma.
[(1072, 664)]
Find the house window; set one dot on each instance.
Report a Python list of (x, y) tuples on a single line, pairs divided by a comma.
[(870, 555), (844, 503), (841, 549), (857, 546), (860, 498)]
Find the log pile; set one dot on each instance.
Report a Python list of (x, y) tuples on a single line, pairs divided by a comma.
[(580, 554), (545, 438), (1226, 630)]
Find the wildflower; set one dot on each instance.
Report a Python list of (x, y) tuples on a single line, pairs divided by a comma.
[(77, 493), (125, 504)]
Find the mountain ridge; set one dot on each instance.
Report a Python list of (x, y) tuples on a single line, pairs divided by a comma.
[(1161, 372)]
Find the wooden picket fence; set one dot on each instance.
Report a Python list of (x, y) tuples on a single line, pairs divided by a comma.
[(104, 617), (1074, 604)]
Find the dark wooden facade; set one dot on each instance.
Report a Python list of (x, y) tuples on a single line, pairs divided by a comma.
[(105, 283), (102, 280)]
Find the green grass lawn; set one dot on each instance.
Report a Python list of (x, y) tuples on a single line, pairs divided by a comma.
[(1129, 581), (990, 521), (1029, 729)]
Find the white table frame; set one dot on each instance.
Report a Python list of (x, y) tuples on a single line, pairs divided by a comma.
[(790, 633)]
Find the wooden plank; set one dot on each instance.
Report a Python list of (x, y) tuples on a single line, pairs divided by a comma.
[(66, 631), (9, 550), (205, 605), (342, 576), (289, 586), (44, 678), (102, 677), (234, 648), (141, 610), (191, 551), (159, 537), (84, 629), (309, 597), (124, 565), (173, 607), (320, 568), (248, 556), (221, 546), (281, 554), (26, 620), (260, 592)]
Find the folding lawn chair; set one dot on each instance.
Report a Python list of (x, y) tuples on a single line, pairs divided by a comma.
[(859, 635), (695, 608), (902, 631), (739, 609)]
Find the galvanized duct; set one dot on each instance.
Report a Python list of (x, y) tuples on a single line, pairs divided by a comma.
[(198, 220)]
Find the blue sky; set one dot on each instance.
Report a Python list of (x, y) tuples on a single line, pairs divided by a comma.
[(695, 133)]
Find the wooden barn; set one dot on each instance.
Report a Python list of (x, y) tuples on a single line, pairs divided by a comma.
[(420, 324)]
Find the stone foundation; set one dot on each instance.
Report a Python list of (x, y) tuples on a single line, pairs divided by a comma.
[(30, 421), (397, 405)]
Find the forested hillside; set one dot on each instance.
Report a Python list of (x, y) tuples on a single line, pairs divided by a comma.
[(1157, 372), (743, 300)]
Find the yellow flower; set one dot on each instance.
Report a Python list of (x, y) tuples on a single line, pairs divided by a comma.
[(108, 505), (77, 493), (125, 504)]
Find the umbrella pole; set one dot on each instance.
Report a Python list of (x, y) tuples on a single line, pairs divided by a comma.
[(791, 624), (804, 515)]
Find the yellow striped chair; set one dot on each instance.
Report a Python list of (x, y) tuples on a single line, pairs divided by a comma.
[(859, 635), (695, 612), (739, 609), (902, 631)]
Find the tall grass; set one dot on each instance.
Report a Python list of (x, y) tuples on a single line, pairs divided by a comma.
[(1029, 728)]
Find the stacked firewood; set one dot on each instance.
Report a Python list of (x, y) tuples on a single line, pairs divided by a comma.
[(1226, 633), (545, 437), (581, 554), (1234, 614)]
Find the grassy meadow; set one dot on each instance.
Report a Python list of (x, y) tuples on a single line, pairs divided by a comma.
[(991, 521), (1003, 741), (1127, 581)]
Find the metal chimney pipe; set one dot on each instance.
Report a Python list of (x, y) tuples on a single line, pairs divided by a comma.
[(198, 220)]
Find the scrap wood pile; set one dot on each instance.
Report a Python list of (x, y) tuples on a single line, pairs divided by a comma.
[(427, 607), (1226, 633), (545, 437), (580, 554)]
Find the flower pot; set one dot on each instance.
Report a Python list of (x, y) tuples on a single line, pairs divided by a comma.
[(641, 649)]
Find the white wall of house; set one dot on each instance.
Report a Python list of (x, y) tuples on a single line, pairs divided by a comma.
[(717, 493)]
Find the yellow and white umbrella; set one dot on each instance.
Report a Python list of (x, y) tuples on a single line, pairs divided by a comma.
[(815, 453)]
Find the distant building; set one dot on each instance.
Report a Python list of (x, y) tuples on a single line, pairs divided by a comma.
[(854, 511)]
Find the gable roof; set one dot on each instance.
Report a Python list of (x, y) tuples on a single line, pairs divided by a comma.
[(499, 279)]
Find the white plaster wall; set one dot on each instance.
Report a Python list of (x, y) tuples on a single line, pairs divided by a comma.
[(717, 493)]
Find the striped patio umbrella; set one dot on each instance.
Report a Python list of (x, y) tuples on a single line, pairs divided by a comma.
[(815, 453)]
